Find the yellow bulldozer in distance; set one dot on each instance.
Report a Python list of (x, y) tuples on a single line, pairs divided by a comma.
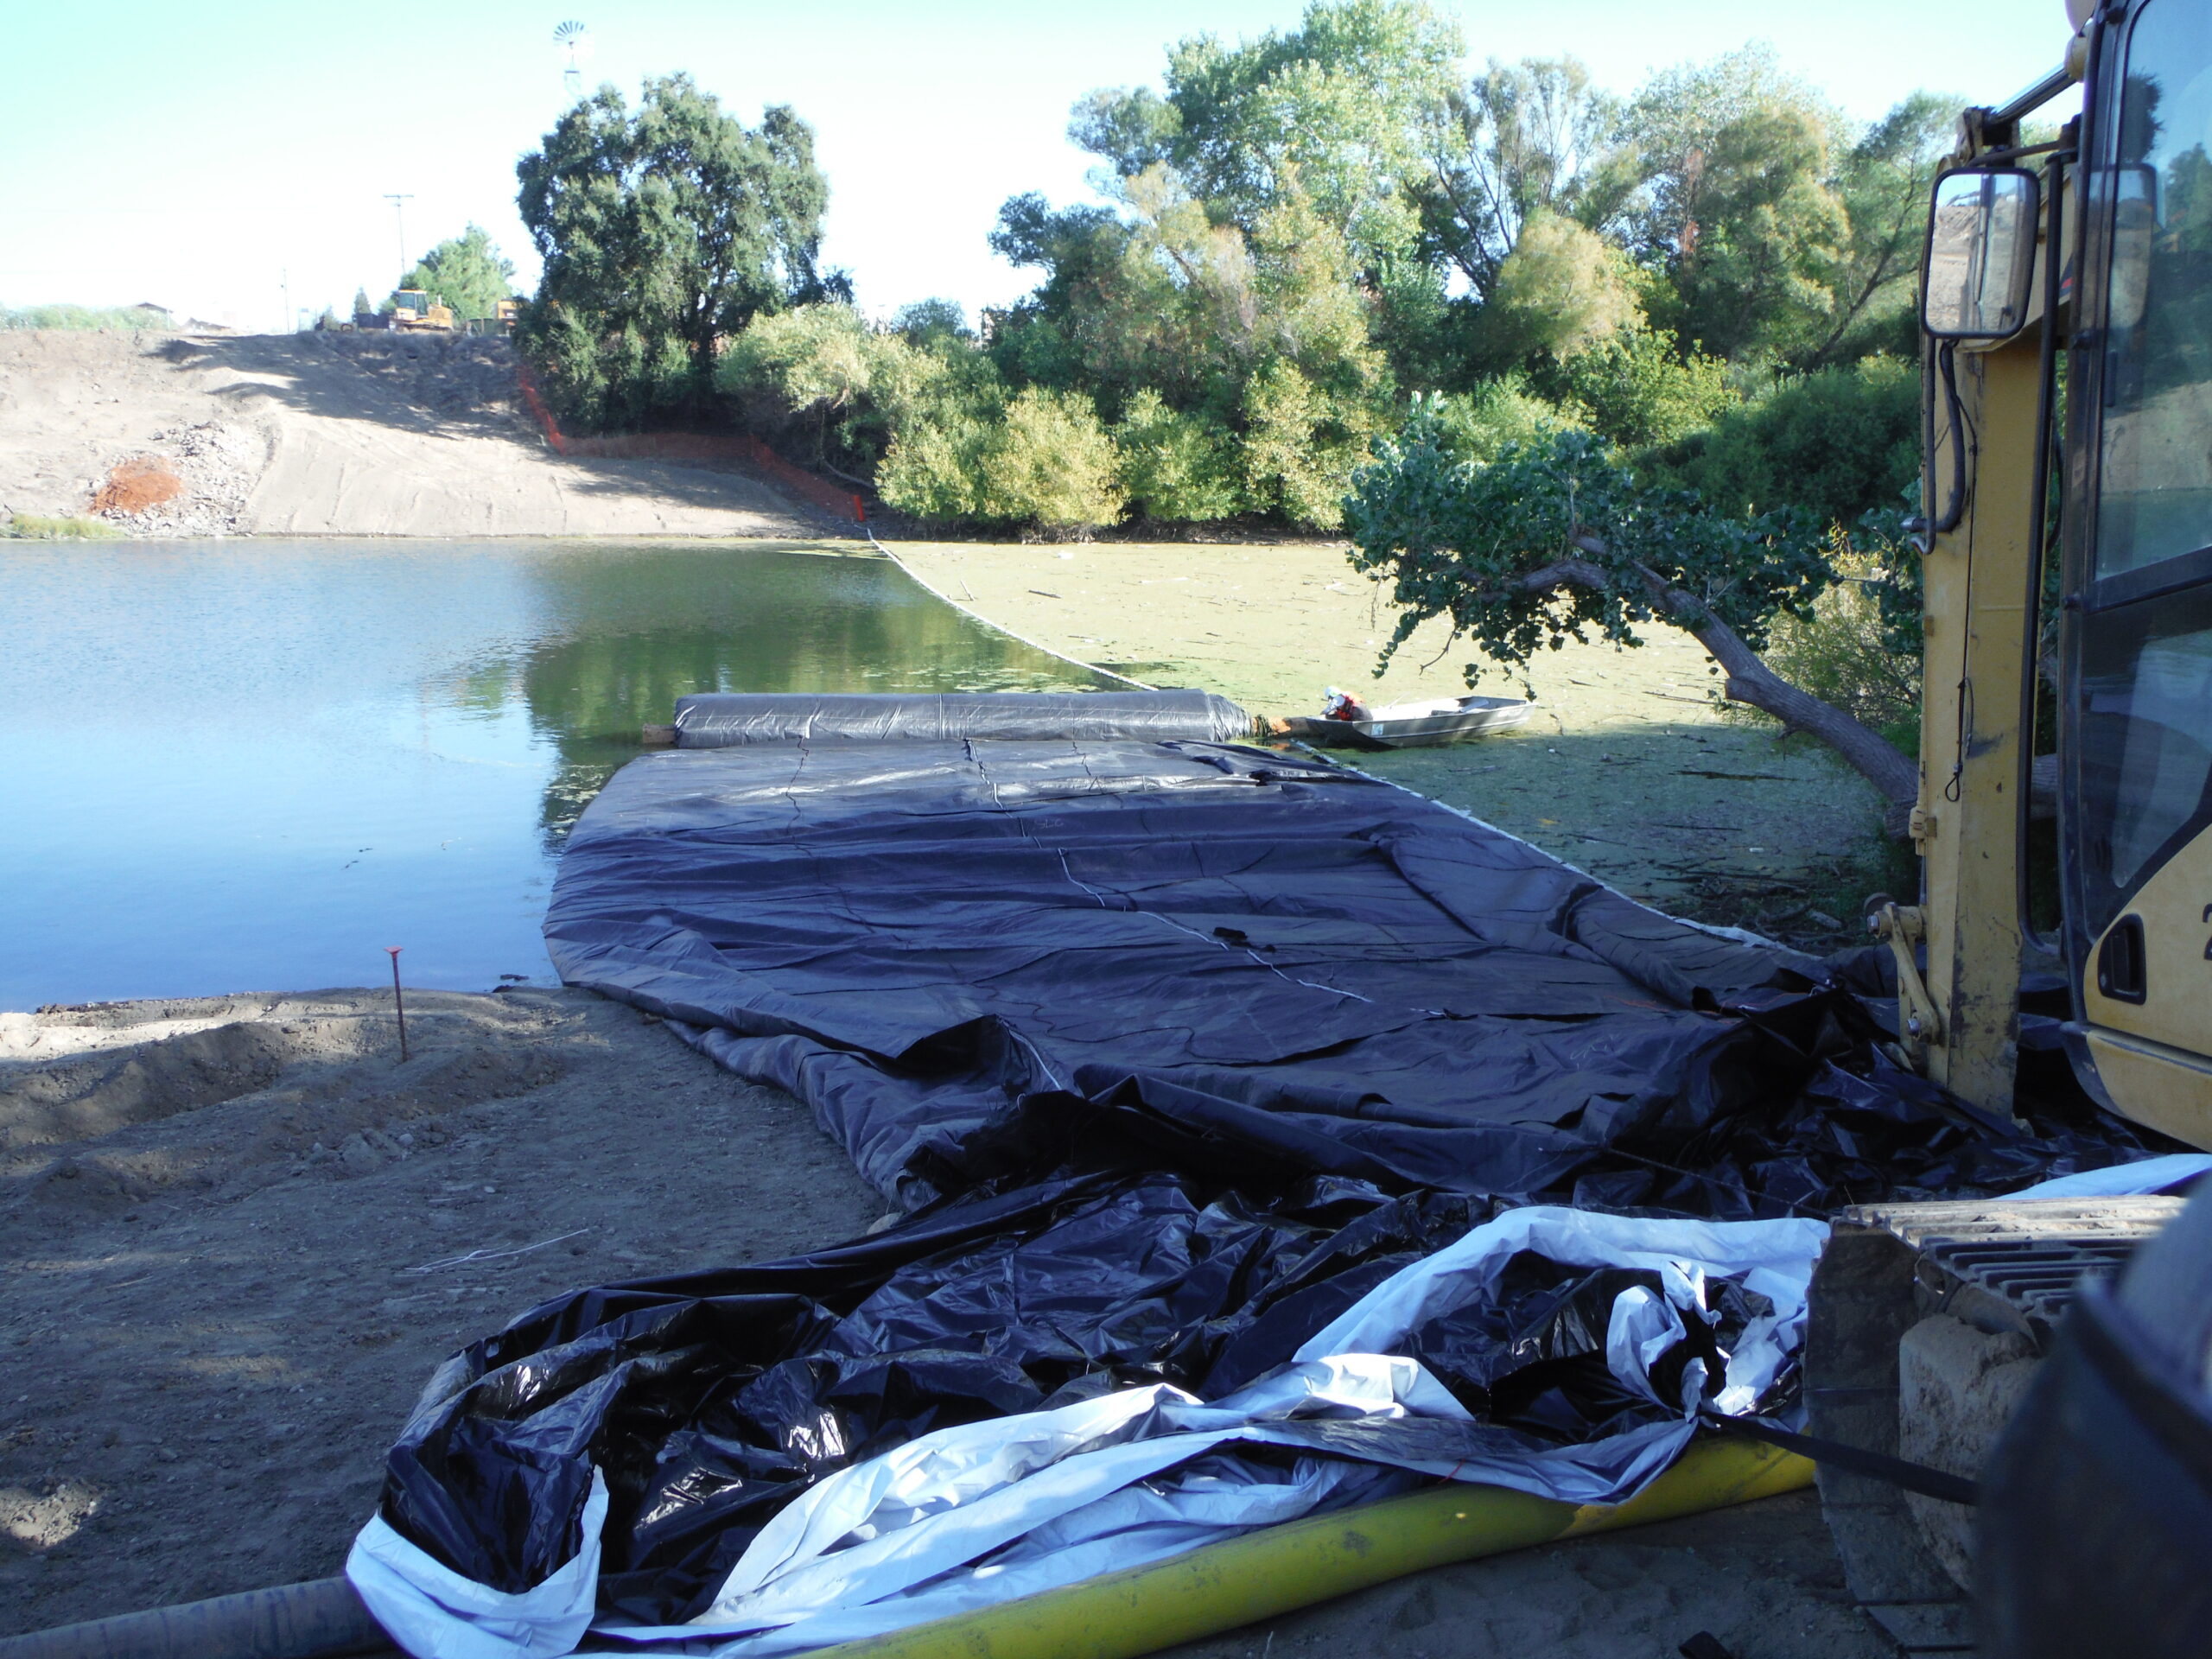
[(416, 312), (2051, 1358)]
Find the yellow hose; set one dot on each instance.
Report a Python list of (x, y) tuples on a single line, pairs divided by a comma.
[(1143, 1609)]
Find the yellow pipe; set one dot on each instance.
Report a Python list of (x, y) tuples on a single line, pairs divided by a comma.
[(1142, 1609)]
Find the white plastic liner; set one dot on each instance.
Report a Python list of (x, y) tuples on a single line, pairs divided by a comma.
[(2165, 1173), (986, 1512)]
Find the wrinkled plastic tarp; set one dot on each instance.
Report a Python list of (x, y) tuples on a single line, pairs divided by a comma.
[(975, 960), (724, 720), (1218, 1082), (1489, 1359)]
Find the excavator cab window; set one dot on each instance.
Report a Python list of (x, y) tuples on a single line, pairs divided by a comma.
[(2142, 589)]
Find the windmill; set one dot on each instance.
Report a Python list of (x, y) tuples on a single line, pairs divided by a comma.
[(574, 42)]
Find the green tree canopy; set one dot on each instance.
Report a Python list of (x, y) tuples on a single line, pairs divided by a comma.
[(1556, 540), (466, 272), (664, 231), (1333, 110), (1520, 141)]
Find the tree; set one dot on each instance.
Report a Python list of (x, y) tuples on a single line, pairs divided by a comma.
[(1520, 141), (927, 323), (1332, 109), (1883, 182), (1559, 293), (466, 272), (361, 306), (1555, 539), (663, 231), (1738, 209)]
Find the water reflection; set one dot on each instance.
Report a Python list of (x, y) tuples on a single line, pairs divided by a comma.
[(644, 632), (240, 766)]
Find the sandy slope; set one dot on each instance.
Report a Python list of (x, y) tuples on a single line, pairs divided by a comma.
[(231, 1241), (332, 435)]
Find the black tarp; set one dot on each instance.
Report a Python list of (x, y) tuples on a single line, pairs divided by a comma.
[(969, 958), (719, 720), (1178, 1050)]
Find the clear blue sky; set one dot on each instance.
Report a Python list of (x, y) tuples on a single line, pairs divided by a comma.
[(193, 154)]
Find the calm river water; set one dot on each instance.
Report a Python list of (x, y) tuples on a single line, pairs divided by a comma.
[(251, 765)]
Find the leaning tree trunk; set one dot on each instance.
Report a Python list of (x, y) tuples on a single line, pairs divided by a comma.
[(1751, 682)]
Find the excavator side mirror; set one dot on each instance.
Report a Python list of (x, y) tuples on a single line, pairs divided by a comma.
[(1982, 250)]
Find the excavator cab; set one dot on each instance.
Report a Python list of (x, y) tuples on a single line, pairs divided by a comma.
[(2136, 647), (2057, 1351)]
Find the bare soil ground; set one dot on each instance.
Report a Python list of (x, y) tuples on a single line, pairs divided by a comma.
[(331, 435), (238, 1234), (1626, 768)]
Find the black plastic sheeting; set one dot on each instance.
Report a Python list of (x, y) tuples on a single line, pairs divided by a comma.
[(982, 961), (723, 720), (1176, 1050), (709, 1402)]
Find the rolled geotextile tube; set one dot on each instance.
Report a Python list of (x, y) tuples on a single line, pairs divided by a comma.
[(1279, 1569), (321, 1619)]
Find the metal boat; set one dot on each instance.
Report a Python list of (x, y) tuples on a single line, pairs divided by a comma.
[(1415, 725)]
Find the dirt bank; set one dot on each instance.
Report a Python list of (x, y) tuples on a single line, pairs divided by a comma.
[(1626, 769), (238, 1234), (331, 435)]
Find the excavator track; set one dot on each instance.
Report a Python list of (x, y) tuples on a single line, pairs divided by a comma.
[(1927, 1321)]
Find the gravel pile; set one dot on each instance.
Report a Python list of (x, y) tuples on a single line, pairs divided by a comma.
[(218, 461)]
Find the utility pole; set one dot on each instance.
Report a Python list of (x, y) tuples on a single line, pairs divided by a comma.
[(399, 213)]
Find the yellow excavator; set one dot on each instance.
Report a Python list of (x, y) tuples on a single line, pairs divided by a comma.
[(2051, 1358)]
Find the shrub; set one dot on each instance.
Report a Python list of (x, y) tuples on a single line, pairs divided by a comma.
[(1839, 443), (30, 527), (1051, 463), (1044, 461), (1301, 446), (114, 317), (1176, 466), (934, 470), (1478, 424), (1635, 389), (812, 356), (1846, 651)]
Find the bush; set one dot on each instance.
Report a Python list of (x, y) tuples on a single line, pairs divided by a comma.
[(934, 470), (1476, 425), (1839, 444), (1634, 390), (1176, 467), (812, 356), (1045, 461), (30, 527), (114, 317), (1051, 463), (1301, 446), (1845, 651)]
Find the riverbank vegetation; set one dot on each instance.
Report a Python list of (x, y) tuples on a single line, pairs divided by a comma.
[(1340, 280)]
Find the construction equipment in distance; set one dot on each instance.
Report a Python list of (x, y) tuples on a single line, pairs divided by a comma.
[(1988, 1339), (416, 312)]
